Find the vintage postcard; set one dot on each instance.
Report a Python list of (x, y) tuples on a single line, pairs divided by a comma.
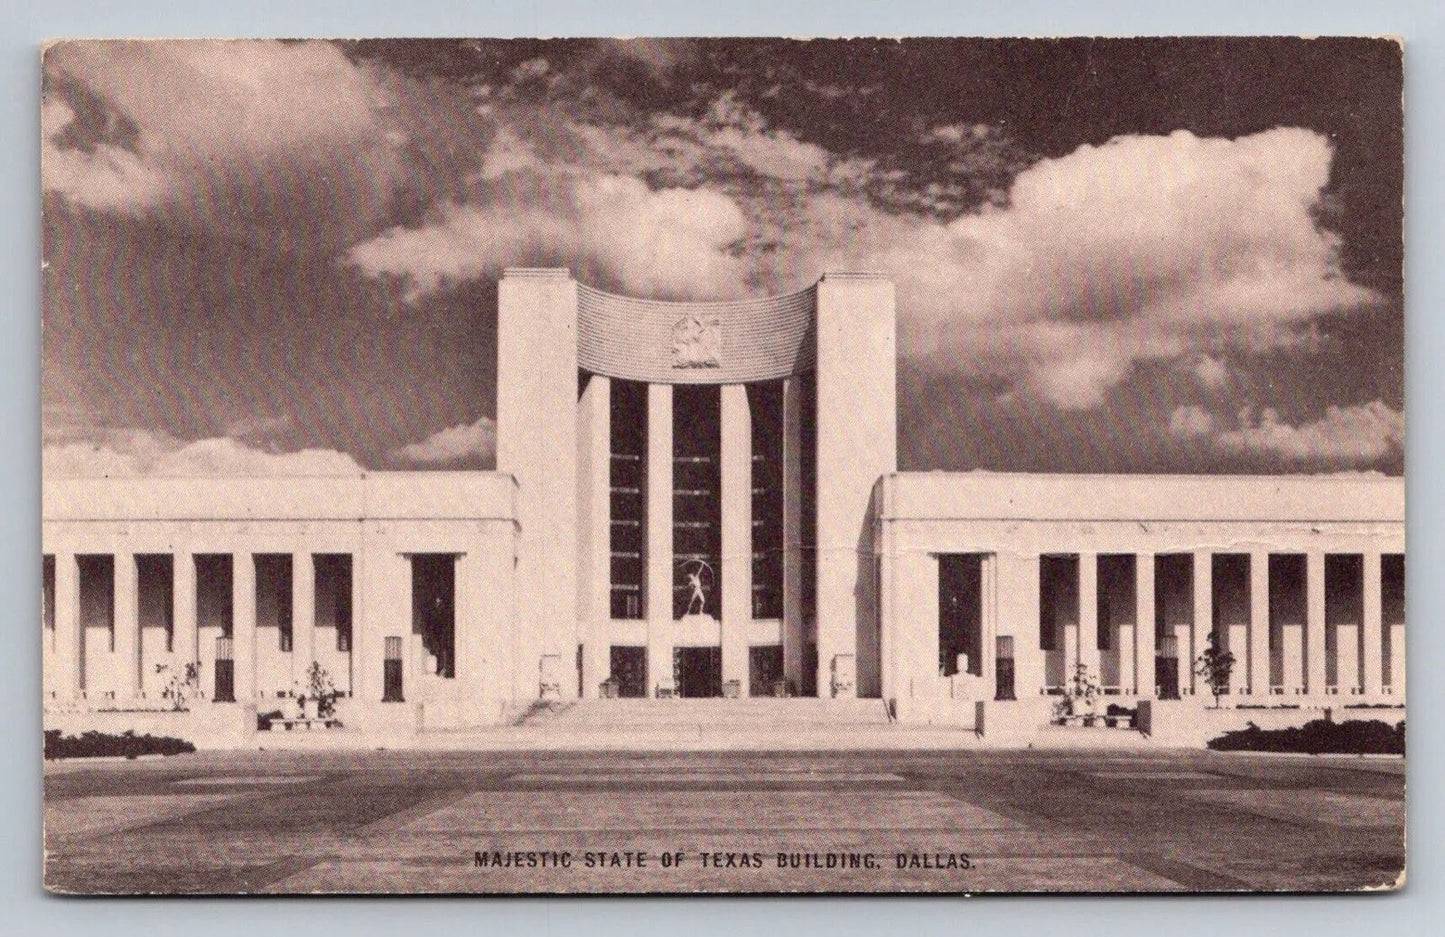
[(729, 465)]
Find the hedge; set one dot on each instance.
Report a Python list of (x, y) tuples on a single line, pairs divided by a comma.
[(1319, 736)]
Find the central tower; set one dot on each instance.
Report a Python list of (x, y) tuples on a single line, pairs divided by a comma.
[(693, 486)]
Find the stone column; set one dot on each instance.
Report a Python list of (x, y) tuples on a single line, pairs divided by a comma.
[(1018, 615), (1371, 637), (1203, 621), (382, 609), (70, 668), (183, 609), (243, 624), (126, 622), (793, 624), (737, 534), (659, 535), (1145, 637), (988, 624), (1259, 623), (303, 615), (1315, 623), (1088, 615), (594, 530)]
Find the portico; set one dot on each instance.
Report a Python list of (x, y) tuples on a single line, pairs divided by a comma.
[(701, 473), (1302, 578)]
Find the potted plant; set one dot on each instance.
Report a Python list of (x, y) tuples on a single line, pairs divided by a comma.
[(318, 697), (180, 684), (1081, 695), (610, 688), (732, 689)]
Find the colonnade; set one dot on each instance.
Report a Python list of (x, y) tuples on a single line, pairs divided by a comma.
[(98, 648), (1337, 639)]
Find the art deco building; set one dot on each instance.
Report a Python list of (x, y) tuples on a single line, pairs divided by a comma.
[(702, 499)]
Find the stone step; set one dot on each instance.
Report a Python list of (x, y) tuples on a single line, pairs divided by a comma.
[(760, 713), (1054, 736)]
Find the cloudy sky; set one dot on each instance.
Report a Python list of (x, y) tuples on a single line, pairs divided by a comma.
[(1121, 256)]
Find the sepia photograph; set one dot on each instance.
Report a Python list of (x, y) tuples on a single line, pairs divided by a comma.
[(726, 466)]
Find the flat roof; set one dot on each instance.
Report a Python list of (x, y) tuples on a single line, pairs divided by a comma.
[(1010, 496), (372, 495)]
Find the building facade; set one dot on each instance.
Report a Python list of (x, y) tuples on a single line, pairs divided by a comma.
[(699, 500)]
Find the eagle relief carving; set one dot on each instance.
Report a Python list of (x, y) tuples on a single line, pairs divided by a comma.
[(697, 342)]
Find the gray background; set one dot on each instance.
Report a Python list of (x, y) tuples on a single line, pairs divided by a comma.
[(25, 909)]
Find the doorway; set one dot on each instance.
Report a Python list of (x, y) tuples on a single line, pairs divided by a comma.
[(765, 667), (698, 671), (433, 609), (629, 669)]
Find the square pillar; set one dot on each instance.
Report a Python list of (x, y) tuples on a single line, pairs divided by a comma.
[(1019, 615), (659, 536), (1088, 615), (382, 584), (303, 615), (126, 620), (243, 624), (1371, 636), (915, 639), (1203, 621), (594, 529), (1397, 662), (737, 533), (1259, 623), (69, 669), (988, 624), (1145, 640), (183, 609), (1292, 658), (856, 420), (1315, 624), (537, 445), (793, 624)]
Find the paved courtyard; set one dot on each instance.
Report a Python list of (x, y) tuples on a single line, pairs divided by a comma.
[(279, 822)]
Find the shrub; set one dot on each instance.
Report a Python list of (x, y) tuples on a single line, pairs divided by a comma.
[(106, 745), (1215, 665), (1319, 736)]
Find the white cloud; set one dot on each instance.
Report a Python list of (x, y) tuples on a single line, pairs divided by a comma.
[(1191, 422), (1350, 435), (106, 177), (671, 242), (138, 452), (212, 115), (1144, 248), (1211, 372), (469, 441)]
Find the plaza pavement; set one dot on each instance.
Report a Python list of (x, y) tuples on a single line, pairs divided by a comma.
[(419, 821)]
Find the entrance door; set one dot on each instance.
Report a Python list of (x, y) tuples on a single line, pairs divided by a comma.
[(765, 667), (698, 671), (629, 669)]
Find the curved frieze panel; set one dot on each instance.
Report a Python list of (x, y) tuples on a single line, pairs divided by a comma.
[(696, 343)]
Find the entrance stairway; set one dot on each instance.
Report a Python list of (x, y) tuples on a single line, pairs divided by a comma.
[(764, 714), (761, 724)]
